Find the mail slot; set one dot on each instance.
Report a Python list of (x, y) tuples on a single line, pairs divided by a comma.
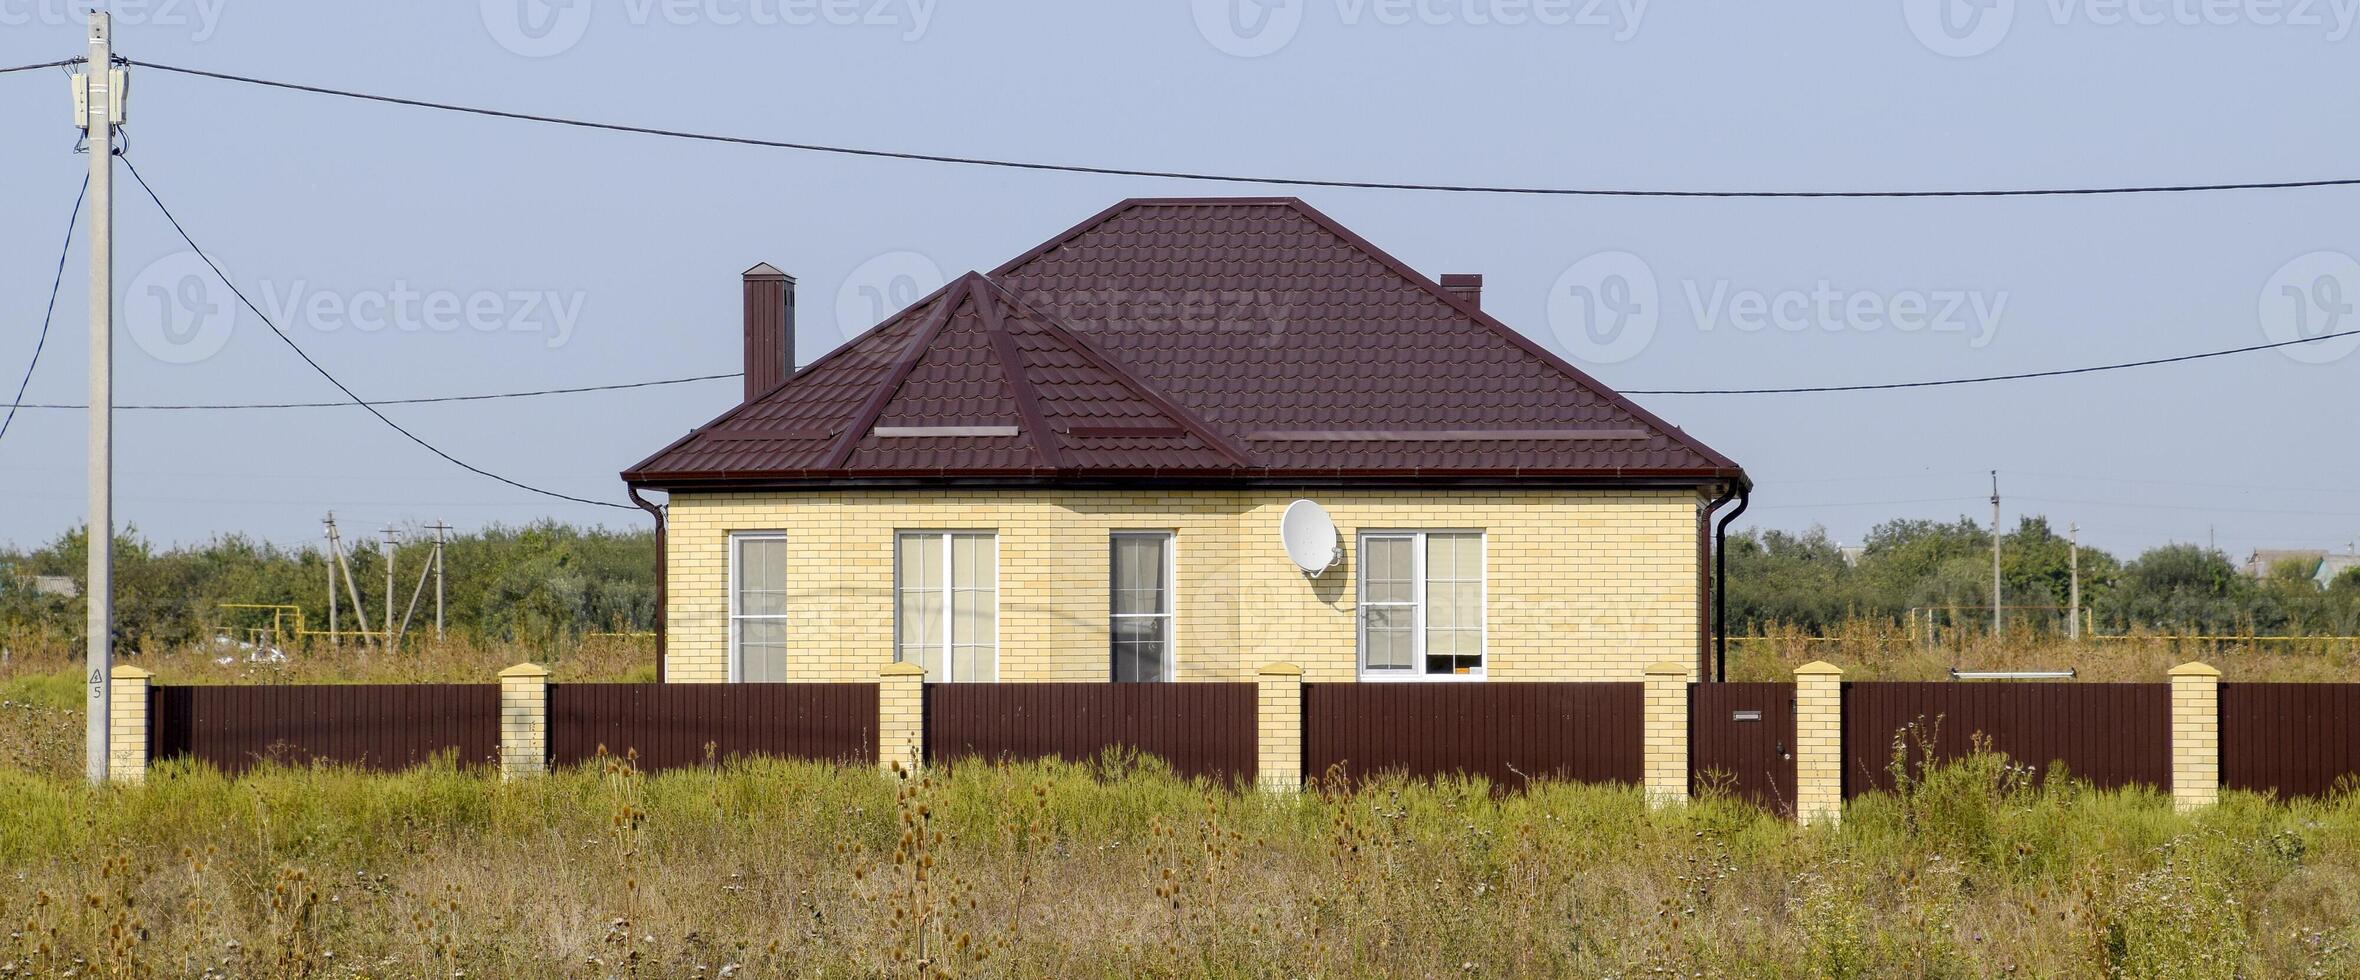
[(1745, 716)]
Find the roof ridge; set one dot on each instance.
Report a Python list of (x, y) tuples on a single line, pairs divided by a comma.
[(1019, 381), (1190, 421), (899, 374)]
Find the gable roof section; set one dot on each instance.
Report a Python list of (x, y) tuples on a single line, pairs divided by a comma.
[(964, 383), (1231, 338)]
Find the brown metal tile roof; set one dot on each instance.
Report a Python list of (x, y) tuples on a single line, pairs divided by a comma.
[(1219, 339)]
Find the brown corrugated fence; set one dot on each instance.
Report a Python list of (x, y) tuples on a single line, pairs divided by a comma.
[(2289, 739), (1505, 732), (2109, 734), (375, 726), (1200, 729), (673, 725)]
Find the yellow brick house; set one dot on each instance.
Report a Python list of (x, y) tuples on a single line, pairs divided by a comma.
[(1074, 467)]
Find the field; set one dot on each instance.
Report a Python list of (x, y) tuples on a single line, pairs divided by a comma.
[(1119, 869)]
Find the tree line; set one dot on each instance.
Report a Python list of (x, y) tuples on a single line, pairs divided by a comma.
[(537, 585), (1941, 571)]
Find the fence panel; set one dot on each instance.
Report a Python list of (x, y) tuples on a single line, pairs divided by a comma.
[(672, 725), (2110, 734), (1741, 738), (382, 727), (2289, 739), (1201, 729), (1505, 732)]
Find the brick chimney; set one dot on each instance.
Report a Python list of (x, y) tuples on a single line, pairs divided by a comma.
[(1465, 285), (770, 328)]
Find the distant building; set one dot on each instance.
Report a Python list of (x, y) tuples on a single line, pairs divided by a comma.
[(2262, 560), (2333, 566)]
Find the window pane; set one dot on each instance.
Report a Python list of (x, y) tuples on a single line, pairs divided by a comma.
[(972, 560), (1141, 648), (761, 576), (1138, 566), (762, 651), (921, 561), (1386, 569)]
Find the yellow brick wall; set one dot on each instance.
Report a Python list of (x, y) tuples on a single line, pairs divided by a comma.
[(1664, 745), (1819, 743), (2196, 736), (1581, 585)]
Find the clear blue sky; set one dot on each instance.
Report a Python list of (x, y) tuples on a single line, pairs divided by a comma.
[(327, 206)]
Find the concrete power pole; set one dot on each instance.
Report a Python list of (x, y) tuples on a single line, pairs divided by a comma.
[(2073, 604), (328, 530), (440, 529), (1998, 620), (391, 538), (101, 95)]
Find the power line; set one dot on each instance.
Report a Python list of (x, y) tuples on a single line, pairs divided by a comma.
[(45, 64), (323, 372), (2027, 375), (430, 400), (1230, 178), (64, 248)]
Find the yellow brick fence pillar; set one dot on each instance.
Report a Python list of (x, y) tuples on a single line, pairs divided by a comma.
[(901, 716), (524, 721), (2196, 736), (1665, 721), (1279, 730), (127, 724), (1819, 743)]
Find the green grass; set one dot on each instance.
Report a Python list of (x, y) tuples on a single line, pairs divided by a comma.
[(792, 869)]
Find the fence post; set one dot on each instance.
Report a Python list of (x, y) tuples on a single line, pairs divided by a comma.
[(524, 721), (901, 716), (1819, 743), (1665, 722), (1278, 728), (127, 723), (2196, 736)]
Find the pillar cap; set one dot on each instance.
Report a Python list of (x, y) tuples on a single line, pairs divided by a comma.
[(1818, 668), (902, 669), (526, 670), (128, 672), (1670, 667), (1281, 670), (2195, 668)]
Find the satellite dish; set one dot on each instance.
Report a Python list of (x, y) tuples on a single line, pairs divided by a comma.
[(1310, 537)]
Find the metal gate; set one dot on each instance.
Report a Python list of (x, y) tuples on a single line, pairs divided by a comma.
[(1741, 740)]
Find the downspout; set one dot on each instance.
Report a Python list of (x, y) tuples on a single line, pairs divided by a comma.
[(1745, 495), (663, 596)]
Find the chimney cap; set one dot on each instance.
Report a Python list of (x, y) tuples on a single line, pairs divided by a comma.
[(1462, 279), (764, 270)]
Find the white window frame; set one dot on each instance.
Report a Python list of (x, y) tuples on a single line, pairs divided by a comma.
[(1171, 613), (737, 657), (950, 589), (1418, 590)]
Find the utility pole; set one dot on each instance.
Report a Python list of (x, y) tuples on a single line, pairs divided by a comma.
[(328, 526), (1998, 620), (440, 529), (352, 589), (101, 94), (391, 536), (2073, 604)]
